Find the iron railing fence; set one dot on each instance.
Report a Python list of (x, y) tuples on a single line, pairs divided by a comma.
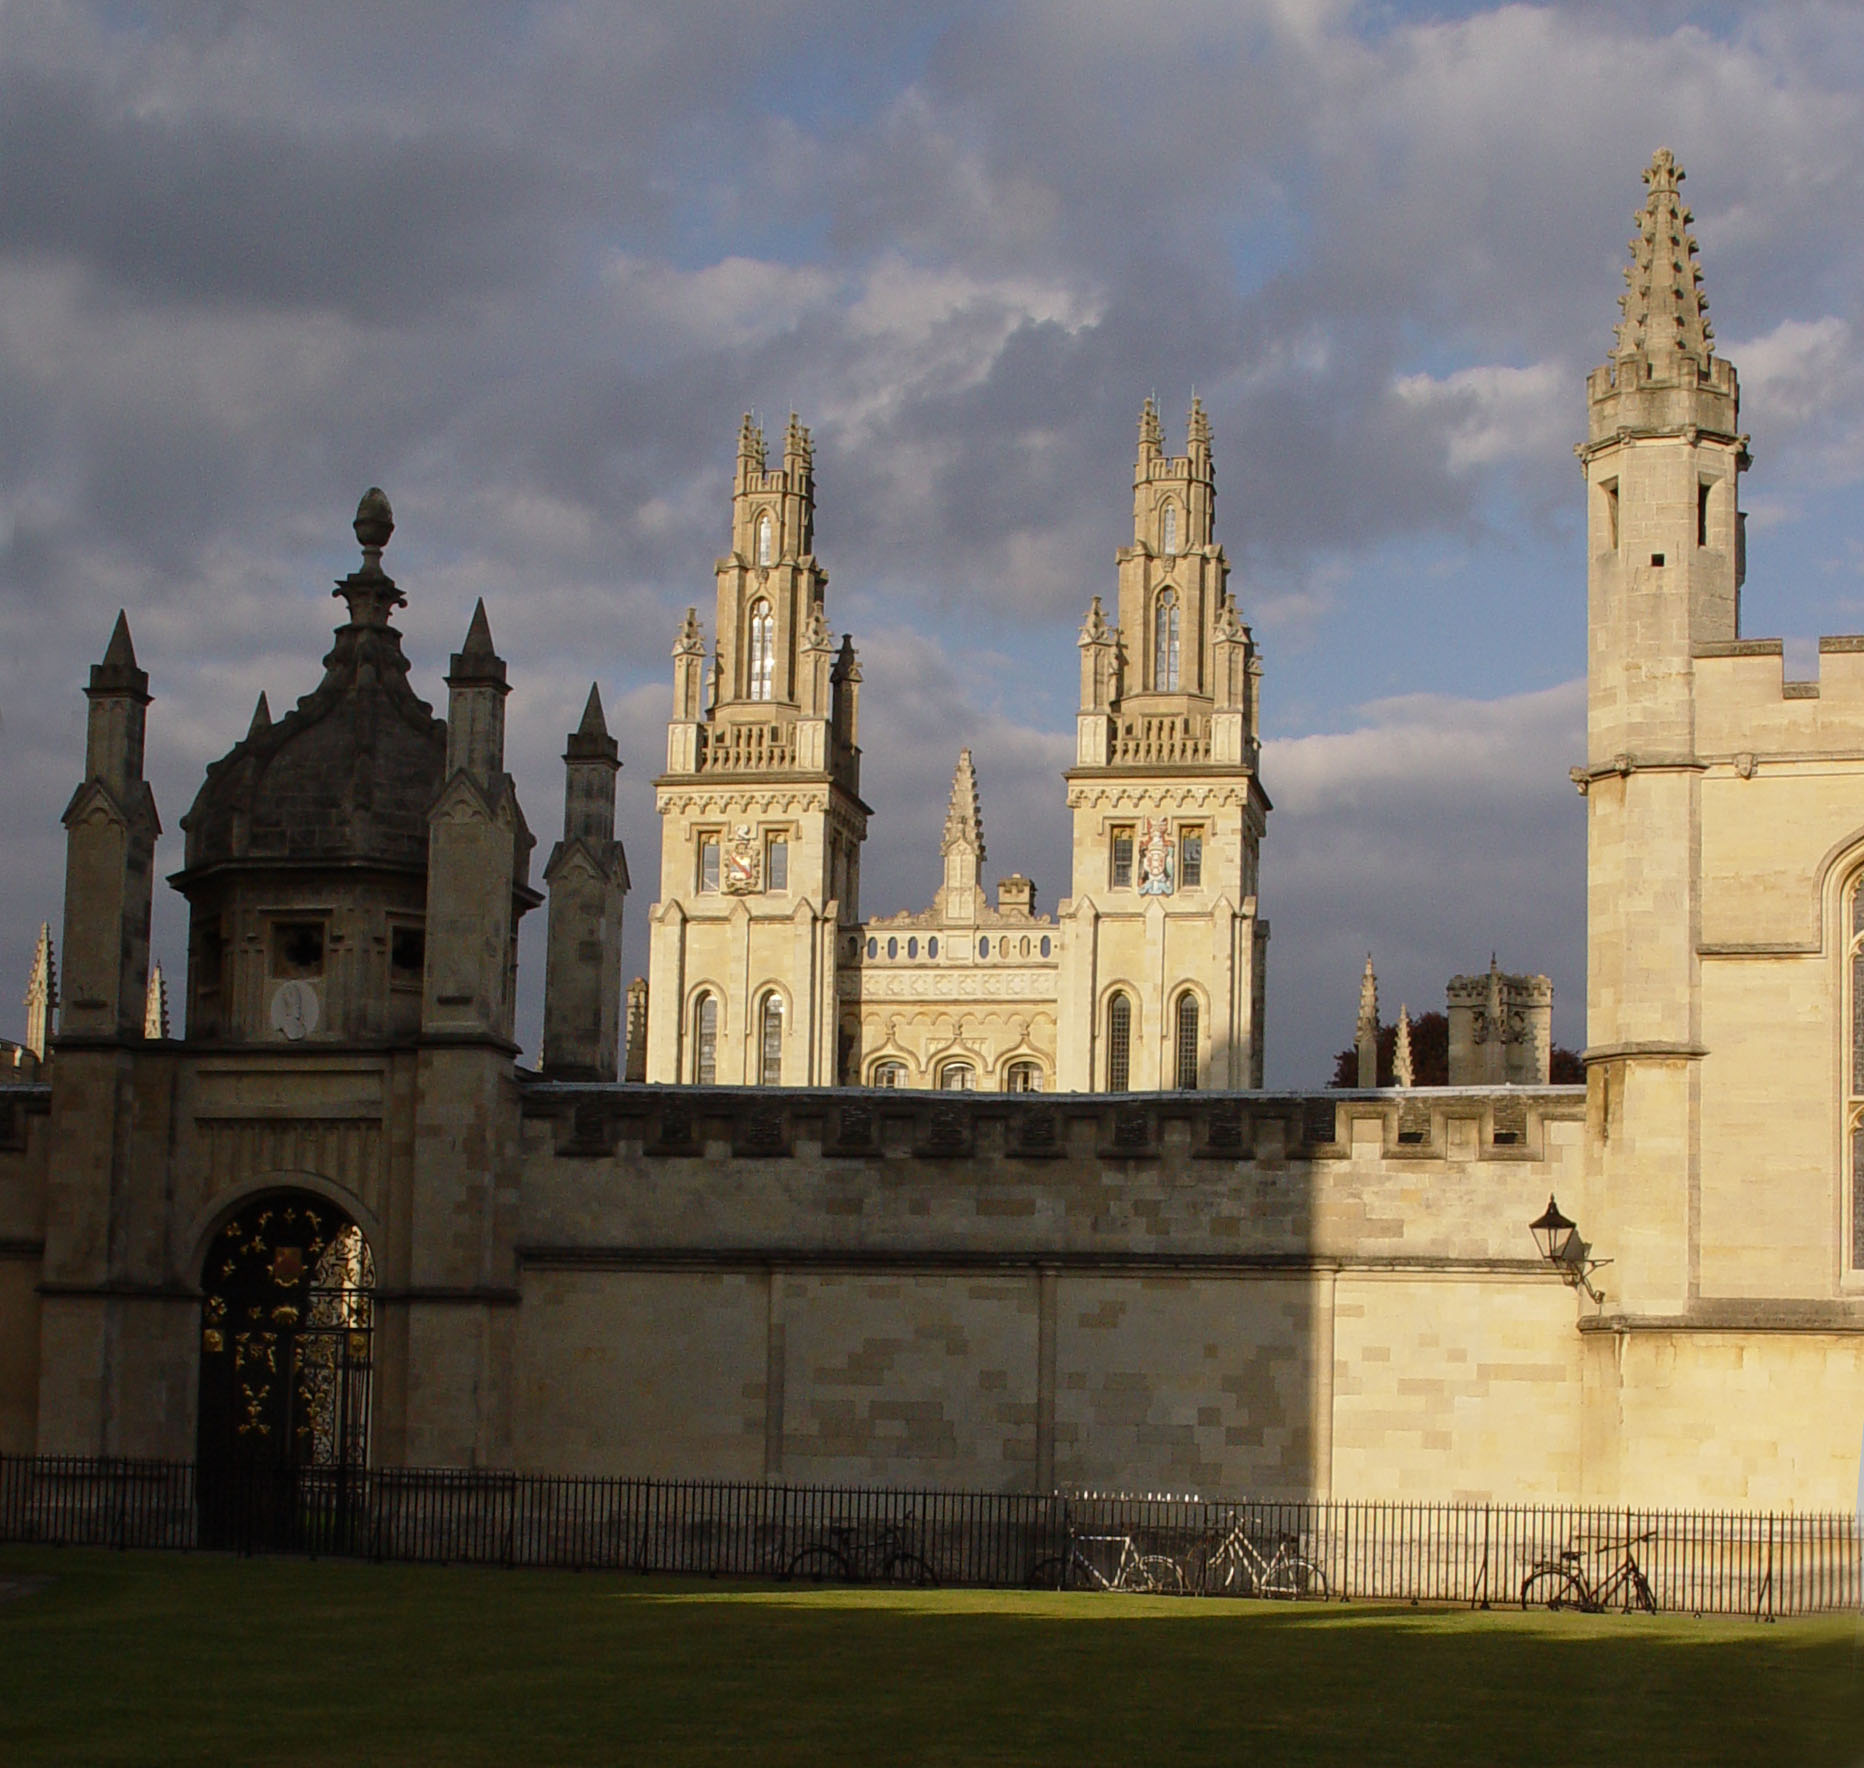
[(1694, 1562)]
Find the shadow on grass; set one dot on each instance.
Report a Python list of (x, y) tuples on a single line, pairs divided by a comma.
[(145, 1658)]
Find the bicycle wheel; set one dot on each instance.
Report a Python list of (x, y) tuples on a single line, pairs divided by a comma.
[(1048, 1573), (907, 1568), (1295, 1578), (1642, 1596), (1159, 1575), (818, 1564), (1552, 1586)]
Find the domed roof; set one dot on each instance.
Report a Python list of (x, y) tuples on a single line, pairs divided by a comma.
[(350, 773)]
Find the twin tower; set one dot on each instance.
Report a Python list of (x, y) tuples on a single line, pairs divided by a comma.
[(1147, 977)]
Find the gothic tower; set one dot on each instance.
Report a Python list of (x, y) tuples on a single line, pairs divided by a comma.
[(1662, 460), (762, 819), (1162, 976)]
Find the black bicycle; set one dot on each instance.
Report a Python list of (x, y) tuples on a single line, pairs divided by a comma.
[(1565, 1583), (865, 1553)]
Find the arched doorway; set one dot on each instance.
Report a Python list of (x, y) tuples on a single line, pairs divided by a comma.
[(287, 1349)]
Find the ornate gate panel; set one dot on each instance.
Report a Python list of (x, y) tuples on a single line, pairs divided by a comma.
[(287, 1324)]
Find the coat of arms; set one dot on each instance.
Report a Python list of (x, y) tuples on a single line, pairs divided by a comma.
[(741, 862), (1155, 857)]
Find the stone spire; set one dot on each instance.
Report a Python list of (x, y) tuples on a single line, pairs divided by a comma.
[(41, 994), (1665, 310), (960, 897), (155, 1005), (1366, 1037), (1403, 1070), (964, 816)]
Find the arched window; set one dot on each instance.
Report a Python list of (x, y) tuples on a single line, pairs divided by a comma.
[(705, 1041), (1023, 1077), (763, 648), (1168, 530), (1186, 1042), (888, 1074), (1165, 643), (957, 1077), (1854, 1111), (770, 1041), (766, 539), (1119, 1044)]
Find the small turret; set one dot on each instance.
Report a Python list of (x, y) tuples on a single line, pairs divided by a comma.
[(111, 828), (588, 880), (476, 704)]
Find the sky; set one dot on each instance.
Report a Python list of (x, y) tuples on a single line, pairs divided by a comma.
[(525, 266)]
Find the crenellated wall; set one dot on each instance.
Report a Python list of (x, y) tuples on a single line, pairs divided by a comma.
[(1278, 1294)]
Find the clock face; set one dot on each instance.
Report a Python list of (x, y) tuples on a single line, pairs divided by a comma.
[(294, 1010)]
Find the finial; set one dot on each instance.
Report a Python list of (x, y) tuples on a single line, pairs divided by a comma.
[(369, 590), (1150, 439), (261, 719), (1403, 1068), (1094, 627), (375, 522)]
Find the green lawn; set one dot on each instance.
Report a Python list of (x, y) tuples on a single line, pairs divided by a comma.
[(166, 1658)]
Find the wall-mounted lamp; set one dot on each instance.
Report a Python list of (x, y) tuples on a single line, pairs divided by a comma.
[(1560, 1245)]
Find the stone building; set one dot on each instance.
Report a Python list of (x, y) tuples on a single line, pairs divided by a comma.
[(335, 1218), (1148, 976)]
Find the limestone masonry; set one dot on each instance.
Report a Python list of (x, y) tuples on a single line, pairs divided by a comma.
[(975, 1195)]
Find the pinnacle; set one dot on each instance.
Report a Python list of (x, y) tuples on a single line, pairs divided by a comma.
[(478, 634), (120, 653), (1151, 439), (1665, 311), (261, 718), (964, 818), (690, 638), (1198, 429), (593, 723)]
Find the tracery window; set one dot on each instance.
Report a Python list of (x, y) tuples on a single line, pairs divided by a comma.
[(705, 1040), (1186, 1039), (1165, 642), (1119, 1043), (763, 649), (770, 1041)]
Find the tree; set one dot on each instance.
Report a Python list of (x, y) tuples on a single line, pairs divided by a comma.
[(1430, 1057)]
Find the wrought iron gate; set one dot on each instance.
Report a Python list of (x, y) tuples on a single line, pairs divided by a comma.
[(287, 1349)]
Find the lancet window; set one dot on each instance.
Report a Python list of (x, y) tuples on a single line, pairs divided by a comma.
[(705, 1041), (766, 539), (763, 649), (1165, 643), (1186, 1036), (1854, 1066), (770, 1040), (1119, 1044)]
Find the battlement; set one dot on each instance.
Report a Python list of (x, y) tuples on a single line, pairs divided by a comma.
[(1176, 1177), (1747, 707)]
